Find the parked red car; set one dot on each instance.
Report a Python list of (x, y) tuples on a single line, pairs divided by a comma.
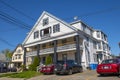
[(48, 69), (109, 66)]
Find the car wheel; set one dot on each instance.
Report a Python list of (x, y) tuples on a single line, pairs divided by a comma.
[(70, 72), (80, 70), (101, 74), (57, 73)]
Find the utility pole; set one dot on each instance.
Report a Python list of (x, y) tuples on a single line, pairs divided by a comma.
[(119, 47)]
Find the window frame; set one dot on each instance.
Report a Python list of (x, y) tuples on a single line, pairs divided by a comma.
[(56, 28), (45, 21), (36, 34)]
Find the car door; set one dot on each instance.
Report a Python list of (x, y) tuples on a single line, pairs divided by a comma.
[(75, 66)]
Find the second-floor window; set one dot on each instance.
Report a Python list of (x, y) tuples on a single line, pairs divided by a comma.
[(56, 28), (36, 34), (64, 41), (19, 56), (99, 46), (94, 45)]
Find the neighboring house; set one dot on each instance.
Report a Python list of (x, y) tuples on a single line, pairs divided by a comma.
[(3, 63), (17, 57), (76, 41), (103, 50)]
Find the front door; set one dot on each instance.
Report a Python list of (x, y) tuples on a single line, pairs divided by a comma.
[(64, 57)]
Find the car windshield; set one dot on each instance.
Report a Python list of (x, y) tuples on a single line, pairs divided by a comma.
[(60, 62), (109, 61)]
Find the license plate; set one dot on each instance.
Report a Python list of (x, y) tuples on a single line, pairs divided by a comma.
[(106, 67)]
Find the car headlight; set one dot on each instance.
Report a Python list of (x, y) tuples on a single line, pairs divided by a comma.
[(55, 69)]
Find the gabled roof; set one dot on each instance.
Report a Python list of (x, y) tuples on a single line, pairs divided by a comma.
[(46, 13), (17, 47)]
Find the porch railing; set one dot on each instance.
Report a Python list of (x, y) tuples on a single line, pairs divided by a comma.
[(51, 50)]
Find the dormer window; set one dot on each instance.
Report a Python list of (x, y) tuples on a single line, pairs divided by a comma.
[(36, 34), (45, 21)]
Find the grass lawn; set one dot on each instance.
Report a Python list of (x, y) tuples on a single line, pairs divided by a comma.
[(25, 74)]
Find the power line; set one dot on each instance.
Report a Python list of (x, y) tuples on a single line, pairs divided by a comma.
[(96, 13), (7, 30), (4, 16), (6, 42), (18, 11)]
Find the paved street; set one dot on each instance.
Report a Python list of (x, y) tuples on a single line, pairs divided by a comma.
[(86, 75)]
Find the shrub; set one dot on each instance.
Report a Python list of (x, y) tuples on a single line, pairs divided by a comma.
[(48, 60), (35, 63), (23, 67)]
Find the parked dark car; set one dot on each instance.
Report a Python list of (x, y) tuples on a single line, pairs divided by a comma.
[(47, 69), (67, 67), (109, 66)]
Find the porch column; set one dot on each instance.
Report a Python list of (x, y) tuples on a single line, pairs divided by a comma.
[(24, 58), (38, 51), (78, 54), (55, 52)]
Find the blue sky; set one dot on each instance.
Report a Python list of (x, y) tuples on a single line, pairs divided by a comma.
[(99, 14)]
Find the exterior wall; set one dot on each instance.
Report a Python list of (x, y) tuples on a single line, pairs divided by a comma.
[(52, 21), (77, 25), (70, 55), (89, 54)]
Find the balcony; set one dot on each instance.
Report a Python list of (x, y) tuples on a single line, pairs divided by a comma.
[(45, 36), (32, 53), (51, 50)]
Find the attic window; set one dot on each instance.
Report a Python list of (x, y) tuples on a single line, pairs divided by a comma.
[(45, 21), (56, 28), (36, 34)]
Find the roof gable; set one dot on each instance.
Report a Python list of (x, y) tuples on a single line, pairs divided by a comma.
[(38, 23)]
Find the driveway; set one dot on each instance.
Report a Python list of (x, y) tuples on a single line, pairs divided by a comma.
[(86, 75)]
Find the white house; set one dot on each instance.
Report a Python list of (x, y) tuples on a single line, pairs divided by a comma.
[(77, 41), (18, 56)]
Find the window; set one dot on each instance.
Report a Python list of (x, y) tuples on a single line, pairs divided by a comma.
[(36, 34), (56, 28), (99, 45), (94, 45), (109, 61), (13, 58), (45, 32), (87, 38), (19, 56), (19, 51), (98, 34), (64, 41), (64, 57), (43, 46), (95, 57), (51, 44), (84, 27), (45, 21)]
